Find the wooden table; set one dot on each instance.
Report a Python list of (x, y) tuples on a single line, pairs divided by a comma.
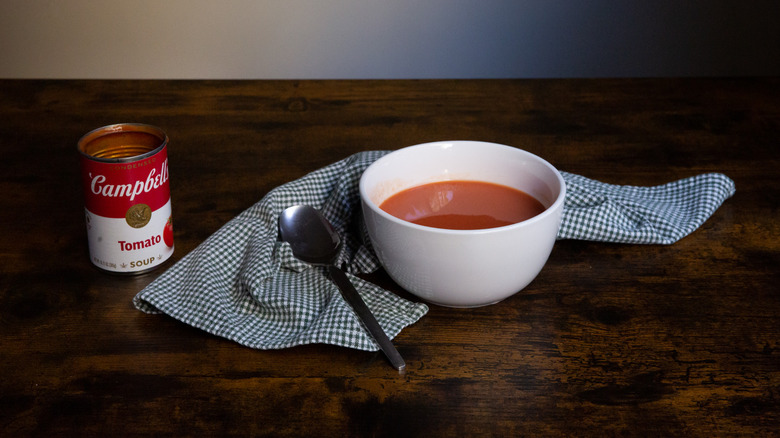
[(610, 339)]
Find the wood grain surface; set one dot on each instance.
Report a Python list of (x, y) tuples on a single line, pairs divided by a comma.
[(609, 340)]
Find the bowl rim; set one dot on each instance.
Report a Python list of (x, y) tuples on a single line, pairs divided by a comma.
[(366, 200)]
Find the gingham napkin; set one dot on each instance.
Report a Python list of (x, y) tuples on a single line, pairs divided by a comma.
[(661, 214), (243, 284)]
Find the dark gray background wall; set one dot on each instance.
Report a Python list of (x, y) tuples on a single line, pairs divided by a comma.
[(387, 38)]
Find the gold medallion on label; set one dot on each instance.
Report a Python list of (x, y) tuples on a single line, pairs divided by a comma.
[(138, 215)]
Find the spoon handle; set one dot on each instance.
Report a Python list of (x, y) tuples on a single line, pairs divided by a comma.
[(364, 313)]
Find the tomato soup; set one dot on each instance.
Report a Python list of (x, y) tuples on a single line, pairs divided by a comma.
[(462, 205)]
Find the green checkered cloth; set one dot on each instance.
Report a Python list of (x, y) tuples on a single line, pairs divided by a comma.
[(244, 284)]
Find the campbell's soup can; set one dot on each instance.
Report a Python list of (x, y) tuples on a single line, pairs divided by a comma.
[(124, 173)]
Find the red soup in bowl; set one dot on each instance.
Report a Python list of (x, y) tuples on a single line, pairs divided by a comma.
[(462, 205)]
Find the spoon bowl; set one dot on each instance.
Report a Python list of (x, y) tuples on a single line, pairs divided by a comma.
[(311, 237)]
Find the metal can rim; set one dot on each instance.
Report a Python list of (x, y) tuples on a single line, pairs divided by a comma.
[(122, 127)]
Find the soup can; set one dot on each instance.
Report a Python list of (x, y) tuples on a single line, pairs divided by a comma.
[(124, 174)]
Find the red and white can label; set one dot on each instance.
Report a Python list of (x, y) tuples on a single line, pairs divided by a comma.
[(128, 212)]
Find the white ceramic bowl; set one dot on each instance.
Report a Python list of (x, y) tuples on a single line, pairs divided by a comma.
[(462, 268)]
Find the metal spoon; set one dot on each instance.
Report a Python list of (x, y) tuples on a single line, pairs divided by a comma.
[(313, 240)]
